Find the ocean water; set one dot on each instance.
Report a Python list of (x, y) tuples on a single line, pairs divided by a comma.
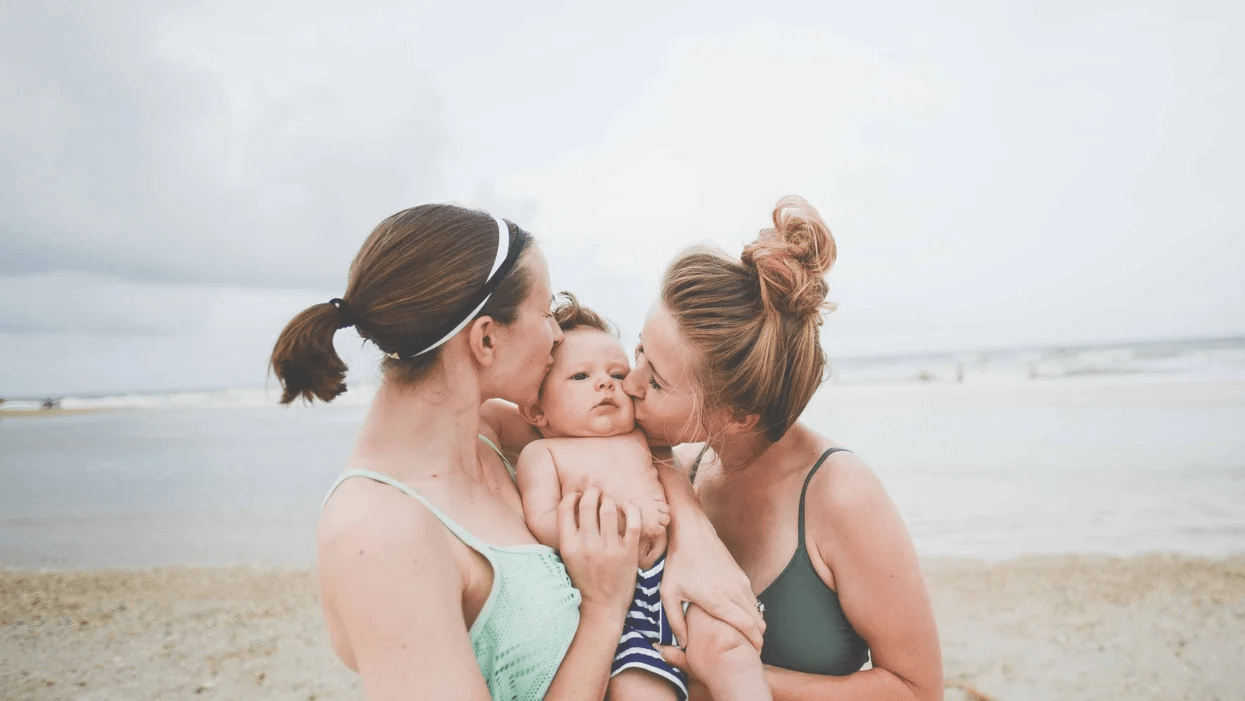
[(138, 487), (1075, 466), (1116, 450)]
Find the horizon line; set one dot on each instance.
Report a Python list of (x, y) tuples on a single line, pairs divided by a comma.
[(1077, 346)]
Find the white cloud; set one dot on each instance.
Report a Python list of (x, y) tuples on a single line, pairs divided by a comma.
[(1039, 191), (733, 122)]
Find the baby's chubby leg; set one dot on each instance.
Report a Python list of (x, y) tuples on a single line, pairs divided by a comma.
[(644, 675), (652, 549), (639, 685)]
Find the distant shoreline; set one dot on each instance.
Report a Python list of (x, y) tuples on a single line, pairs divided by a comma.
[(950, 354), (1195, 343), (1081, 381)]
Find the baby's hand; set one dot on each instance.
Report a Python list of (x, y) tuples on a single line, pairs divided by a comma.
[(655, 517)]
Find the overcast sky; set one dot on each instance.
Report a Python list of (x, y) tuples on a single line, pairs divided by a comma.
[(178, 179)]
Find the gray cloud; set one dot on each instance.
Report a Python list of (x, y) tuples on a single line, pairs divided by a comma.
[(70, 302), (119, 157)]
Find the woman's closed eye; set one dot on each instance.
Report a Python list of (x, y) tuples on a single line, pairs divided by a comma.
[(639, 351)]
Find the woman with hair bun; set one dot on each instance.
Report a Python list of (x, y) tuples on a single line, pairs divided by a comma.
[(729, 357), (431, 584)]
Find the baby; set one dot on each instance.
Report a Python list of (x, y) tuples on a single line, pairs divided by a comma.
[(589, 439)]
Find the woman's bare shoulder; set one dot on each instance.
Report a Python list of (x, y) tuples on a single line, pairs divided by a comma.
[(846, 484), (365, 516), (850, 515), (392, 589)]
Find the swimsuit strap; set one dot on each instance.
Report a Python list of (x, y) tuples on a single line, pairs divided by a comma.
[(461, 533), (691, 475), (491, 444), (808, 479)]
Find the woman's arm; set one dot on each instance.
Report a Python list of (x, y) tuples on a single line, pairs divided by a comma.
[(393, 587), (861, 537), (699, 569), (601, 564)]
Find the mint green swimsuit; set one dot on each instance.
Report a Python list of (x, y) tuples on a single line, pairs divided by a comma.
[(530, 616)]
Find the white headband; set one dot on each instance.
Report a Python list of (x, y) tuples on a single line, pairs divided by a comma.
[(503, 250)]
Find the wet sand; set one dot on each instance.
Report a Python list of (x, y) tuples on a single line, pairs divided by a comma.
[(1059, 627), (46, 413)]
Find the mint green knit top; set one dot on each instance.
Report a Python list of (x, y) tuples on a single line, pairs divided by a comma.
[(530, 615)]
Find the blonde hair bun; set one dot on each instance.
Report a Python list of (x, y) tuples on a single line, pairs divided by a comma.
[(791, 260)]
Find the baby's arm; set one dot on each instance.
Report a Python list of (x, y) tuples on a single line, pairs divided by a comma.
[(508, 428), (541, 491)]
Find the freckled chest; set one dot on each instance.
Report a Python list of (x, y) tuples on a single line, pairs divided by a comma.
[(755, 518)]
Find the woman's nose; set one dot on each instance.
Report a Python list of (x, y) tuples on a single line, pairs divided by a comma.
[(632, 385), (558, 336)]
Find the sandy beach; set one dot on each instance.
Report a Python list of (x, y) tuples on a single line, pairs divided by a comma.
[(1060, 627), (43, 413)]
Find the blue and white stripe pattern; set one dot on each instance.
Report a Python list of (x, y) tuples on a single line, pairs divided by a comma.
[(646, 625)]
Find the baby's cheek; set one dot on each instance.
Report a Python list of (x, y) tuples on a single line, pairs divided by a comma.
[(629, 415)]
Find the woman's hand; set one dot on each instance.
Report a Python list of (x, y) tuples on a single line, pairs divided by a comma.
[(600, 554), (719, 659), (700, 570), (602, 564)]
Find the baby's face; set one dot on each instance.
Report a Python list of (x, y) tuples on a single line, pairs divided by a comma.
[(582, 395)]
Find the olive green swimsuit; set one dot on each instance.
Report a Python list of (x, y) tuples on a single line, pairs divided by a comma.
[(805, 627)]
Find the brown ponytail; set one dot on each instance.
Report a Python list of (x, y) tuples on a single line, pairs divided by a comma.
[(755, 322), (415, 273), (304, 358)]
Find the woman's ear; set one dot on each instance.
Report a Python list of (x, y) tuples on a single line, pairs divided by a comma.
[(482, 339), (738, 423), (534, 415)]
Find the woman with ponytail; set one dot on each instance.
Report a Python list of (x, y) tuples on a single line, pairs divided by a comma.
[(729, 357), (432, 585)]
